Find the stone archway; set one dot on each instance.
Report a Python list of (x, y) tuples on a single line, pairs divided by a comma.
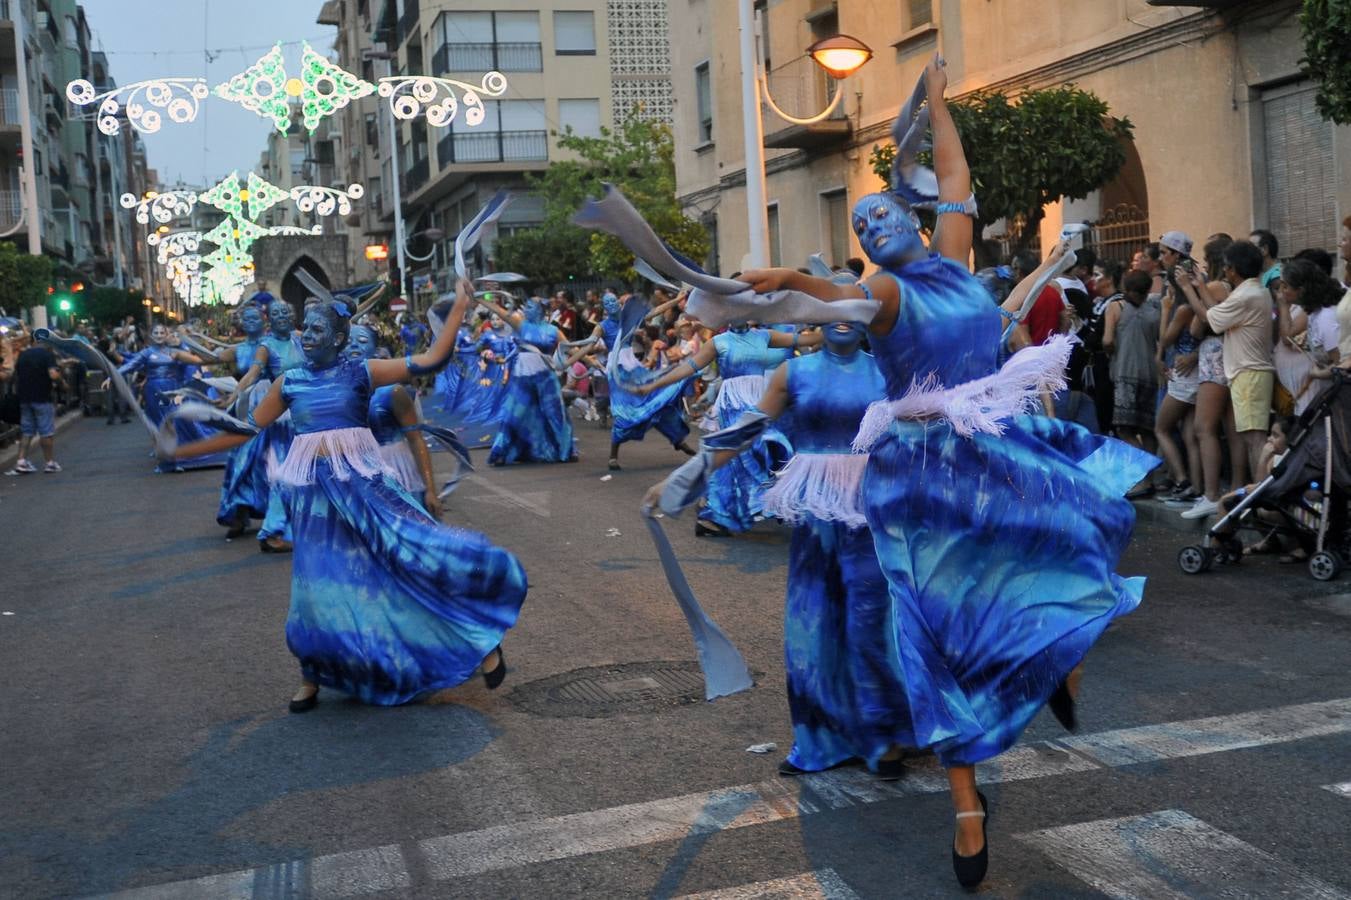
[(292, 290)]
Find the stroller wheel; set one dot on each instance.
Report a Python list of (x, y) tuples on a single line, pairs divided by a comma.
[(1194, 560), (1324, 566)]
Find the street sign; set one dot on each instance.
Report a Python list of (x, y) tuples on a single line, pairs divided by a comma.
[(398, 304)]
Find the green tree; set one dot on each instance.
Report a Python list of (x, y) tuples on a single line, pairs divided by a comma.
[(1049, 144), (108, 305), (24, 279), (638, 157), (1326, 25)]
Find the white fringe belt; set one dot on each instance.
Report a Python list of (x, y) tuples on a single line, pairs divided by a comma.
[(739, 393), (402, 465), (348, 450), (828, 486), (983, 405)]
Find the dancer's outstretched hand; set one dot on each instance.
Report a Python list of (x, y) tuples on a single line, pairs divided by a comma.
[(432, 503), (936, 77), (652, 499), (762, 281)]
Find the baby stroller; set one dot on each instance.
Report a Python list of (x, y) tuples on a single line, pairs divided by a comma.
[(1304, 498)]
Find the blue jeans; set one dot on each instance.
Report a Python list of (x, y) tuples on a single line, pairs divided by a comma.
[(37, 419)]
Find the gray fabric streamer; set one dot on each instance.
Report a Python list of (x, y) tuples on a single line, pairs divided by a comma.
[(724, 667)]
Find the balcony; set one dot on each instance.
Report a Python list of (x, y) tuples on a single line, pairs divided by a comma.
[(492, 147), (408, 22), (417, 175), (11, 115), (11, 208), (500, 57), (801, 89)]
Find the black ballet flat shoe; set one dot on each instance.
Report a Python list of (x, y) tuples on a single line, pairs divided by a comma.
[(303, 706), (614, 465), (275, 546), (970, 870), (890, 769), (788, 770), (1062, 707), (493, 679), (709, 529)]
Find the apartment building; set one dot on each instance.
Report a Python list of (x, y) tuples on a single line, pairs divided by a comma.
[(569, 63), (1226, 135), (75, 172)]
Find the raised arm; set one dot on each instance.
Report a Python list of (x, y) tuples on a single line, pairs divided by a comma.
[(586, 347), (435, 357), (955, 230), (1022, 298), (267, 412), (689, 367), (783, 340), (514, 318), (661, 310)]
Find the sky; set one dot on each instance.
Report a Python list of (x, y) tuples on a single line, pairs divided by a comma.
[(212, 38)]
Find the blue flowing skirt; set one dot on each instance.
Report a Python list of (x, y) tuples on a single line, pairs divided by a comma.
[(276, 441), (633, 414), (388, 604), (244, 490), (846, 691), (1000, 554), (468, 400), (157, 406), (535, 426), (736, 491)]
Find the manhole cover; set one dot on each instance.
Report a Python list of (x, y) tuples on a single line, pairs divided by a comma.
[(600, 691)]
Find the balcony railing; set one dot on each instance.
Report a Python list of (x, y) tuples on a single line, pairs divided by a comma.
[(10, 114), (11, 207), (503, 57), (417, 174), (409, 20), (493, 146), (4, 9)]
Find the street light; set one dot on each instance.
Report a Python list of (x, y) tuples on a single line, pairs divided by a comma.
[(840, 56)]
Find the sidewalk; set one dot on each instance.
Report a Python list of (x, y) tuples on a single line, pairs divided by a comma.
[(10, 454)]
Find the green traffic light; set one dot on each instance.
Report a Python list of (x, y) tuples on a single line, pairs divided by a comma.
[(64, 304)]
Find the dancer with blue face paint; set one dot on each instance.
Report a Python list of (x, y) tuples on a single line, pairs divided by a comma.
[(998, 532), (844, 681), (633, 413), (393, 419), (535, 425), (244, 491), (165, 366), (744, 354), (387, 604)]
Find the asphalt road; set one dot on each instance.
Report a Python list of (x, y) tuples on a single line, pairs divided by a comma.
[(145, 744)]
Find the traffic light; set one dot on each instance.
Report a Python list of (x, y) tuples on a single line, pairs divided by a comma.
[(63, 304)]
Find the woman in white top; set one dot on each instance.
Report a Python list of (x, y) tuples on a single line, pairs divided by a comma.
[(1307, 312)]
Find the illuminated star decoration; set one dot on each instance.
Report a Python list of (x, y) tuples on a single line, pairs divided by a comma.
[(240, 233), (262, 196), (224, 195), (323, 88)]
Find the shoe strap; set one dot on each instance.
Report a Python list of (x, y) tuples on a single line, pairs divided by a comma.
[(977, 814)]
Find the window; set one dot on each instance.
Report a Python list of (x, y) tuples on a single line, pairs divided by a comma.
[(775, 250), (712, 264), (482, 41), (297, 155), (1301, 168), (835, 212), (574, 34), (918, 13), (703, 94), (582, 115)]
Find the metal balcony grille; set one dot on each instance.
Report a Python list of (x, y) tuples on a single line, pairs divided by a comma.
[(501, 57), (493, 146)]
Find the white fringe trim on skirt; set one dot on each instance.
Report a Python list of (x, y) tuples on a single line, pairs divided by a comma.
[(402, 465), (828, 486), (348, 450), (738, 394), (982, 405)]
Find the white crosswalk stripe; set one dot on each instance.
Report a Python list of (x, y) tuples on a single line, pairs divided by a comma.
[(1170, 855), (509, 846), (1343, 789)]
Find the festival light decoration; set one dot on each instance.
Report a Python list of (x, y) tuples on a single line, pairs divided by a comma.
[(325, 87), (179, 98), (163, 207), (174, 244), (236, 233), (261, 88), (262, 195), (410, 95), (324, 201), (322, 88), (224, 195), (295, 231)]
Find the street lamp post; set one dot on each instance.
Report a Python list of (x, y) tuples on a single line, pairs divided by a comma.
[(840, 56)]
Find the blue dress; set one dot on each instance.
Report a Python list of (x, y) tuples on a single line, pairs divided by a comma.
[(735, 492), (535, 425), (633, 414), (468, 392), (846, 690), (386, 603), (243, 491), (164, 374), (999, 549), (394, 450), (283, 355)]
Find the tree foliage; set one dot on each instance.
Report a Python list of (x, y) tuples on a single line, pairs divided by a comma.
[(1326, 25), (638, 157), (1053, 143), (108, 305), (24, 279)]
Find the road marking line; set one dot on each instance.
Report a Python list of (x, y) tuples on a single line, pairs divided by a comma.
[(821, 884), (518, 844), (1343, 789), (1170, 855), (536, 502)]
